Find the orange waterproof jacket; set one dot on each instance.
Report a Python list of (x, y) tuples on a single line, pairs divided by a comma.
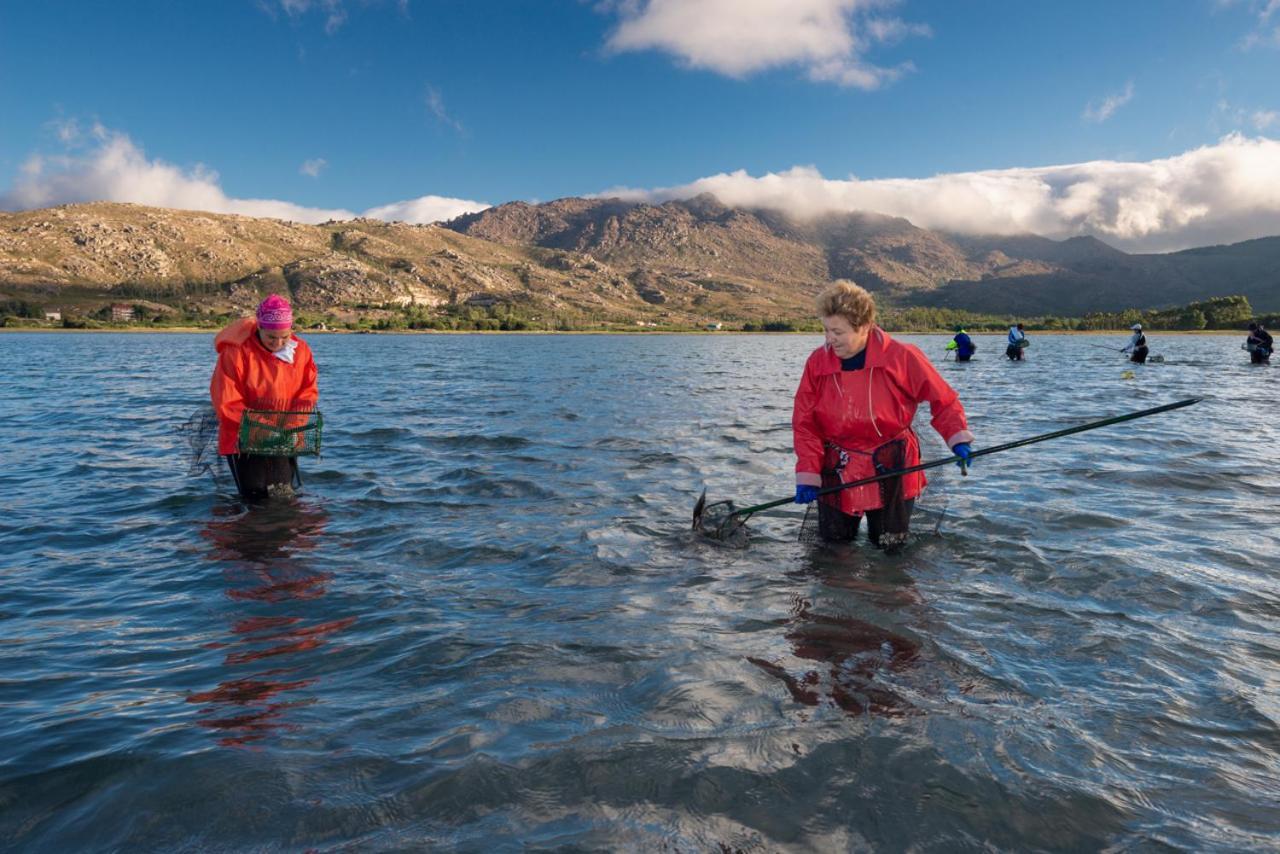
[(248, 375), (841, 417)]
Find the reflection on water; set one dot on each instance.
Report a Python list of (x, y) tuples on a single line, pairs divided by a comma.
[(262, 549), (263, 552), (853, 656), (852, 653)]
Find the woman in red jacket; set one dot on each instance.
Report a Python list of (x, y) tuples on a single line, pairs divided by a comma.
[(852, 420), (261, 365)]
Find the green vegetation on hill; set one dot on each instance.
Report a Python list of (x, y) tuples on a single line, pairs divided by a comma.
[(20, 308), (1219, 313), (1231, 312)]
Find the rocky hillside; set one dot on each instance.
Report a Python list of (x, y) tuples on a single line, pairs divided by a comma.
[(592, 261), (702, 239), (79, 256)]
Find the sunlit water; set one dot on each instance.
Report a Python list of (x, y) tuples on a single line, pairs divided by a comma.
[(485, 624)]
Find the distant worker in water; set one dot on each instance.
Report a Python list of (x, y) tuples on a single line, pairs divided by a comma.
[(852, 420), (1259, 344), (963, 345), (261, 365), (1017, 342), (1137, 346)]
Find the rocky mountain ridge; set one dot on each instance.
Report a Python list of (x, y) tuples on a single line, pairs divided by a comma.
[(217, 263), (595, 260), (908, 265)]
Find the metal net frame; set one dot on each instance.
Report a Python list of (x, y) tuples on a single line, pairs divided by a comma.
[(290, 432)]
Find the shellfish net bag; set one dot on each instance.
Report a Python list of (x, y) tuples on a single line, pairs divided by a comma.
[(291, 431), (930, 506), (200, 432)]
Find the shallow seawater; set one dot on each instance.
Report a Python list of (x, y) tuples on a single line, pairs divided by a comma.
[(485, 624)]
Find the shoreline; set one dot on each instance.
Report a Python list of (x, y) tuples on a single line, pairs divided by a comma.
[(140, 330)]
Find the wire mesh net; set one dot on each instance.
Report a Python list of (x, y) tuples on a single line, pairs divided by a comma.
[(291, 432), (717, 521), (200, 431)]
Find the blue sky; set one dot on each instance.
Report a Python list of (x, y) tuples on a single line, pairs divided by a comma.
[(318, 107)]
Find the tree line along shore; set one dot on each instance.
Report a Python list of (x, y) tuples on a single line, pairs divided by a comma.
[(1219, 313)]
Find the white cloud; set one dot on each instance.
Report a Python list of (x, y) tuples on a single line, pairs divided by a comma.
[(67, 131), (1219, 193), (1234, 118), (826, 38), (1263, 38), (435, 103), (1263, 119), (335, 15), (1105, 110), (334, 11), (114, 169), (425, 209), (1265, 34), (1227, 116), (312, 168)]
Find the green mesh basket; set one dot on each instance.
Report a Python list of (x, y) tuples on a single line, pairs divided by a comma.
[(281, 433)]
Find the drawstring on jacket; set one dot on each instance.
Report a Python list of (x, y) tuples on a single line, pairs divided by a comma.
[(871, 409)]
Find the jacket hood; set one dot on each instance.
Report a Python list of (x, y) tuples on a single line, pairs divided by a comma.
[(236, 333), (827, 362)]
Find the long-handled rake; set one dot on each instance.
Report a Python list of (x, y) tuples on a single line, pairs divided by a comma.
[(730, 519)]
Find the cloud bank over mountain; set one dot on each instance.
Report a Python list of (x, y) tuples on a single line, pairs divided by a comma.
[(1221, 193), (105, 165), (112, 168), (425, 209)]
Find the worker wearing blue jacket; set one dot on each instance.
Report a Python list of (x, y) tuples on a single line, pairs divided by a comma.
[(963, 345)]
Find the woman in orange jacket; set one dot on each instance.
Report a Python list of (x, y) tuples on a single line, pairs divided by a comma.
[(261, 365), (852, 420)]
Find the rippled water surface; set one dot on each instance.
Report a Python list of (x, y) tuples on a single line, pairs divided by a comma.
[(485, 625)]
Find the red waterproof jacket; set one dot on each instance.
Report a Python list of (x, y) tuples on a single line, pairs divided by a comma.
[(248, 375), (841, 417)]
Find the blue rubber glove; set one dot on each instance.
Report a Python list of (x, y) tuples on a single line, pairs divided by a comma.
[(965, 453), (806, 494)]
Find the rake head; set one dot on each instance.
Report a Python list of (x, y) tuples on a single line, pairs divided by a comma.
[(717, 520)]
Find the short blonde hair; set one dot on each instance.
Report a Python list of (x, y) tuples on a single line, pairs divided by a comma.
[(847, 300)]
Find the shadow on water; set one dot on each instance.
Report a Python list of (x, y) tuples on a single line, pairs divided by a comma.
[(263, 549)]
